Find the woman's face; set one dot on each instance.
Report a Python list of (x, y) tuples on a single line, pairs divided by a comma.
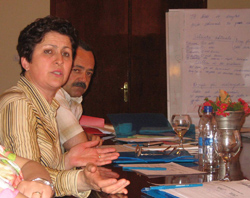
[(51, 63)]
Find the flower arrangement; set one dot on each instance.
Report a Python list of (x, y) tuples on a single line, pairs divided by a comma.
[(223, 103)]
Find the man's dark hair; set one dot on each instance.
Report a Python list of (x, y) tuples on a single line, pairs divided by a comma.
[(34, 33), (84, 46)]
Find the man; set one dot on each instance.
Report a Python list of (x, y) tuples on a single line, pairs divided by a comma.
[(70, 98)]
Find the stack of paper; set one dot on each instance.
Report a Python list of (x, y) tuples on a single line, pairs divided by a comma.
[(96, 126)]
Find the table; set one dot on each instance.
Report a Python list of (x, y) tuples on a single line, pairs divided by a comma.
[(239, 169)]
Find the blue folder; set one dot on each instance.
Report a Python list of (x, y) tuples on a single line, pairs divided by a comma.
[(146, 124), (157, 193), (143, 123), (130, 158)]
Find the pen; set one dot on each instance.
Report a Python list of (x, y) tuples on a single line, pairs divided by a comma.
[(175, 186), (144, 168), (152, 144)]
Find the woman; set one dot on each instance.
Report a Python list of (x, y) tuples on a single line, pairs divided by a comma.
[(21, 178), (27, 111)]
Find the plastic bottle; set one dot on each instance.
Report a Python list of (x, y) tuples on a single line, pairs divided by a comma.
[(201, 125), (206, 153), (200, 149), (210, 156)]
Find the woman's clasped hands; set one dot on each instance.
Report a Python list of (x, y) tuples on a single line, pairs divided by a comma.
[(87, 156)]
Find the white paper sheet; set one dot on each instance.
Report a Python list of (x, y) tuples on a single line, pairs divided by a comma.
[(215, 189), (171, 169)]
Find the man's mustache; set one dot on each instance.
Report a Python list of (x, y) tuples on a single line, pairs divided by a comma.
[(80, 84)]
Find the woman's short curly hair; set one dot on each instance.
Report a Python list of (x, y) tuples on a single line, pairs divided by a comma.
[(34, 33)]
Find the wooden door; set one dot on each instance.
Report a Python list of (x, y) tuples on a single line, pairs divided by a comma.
[(104, 26), (128, 38)]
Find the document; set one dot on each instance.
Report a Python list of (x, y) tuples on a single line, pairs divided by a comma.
[(120, 148), (149, 139), (170, 169), (215, 189)]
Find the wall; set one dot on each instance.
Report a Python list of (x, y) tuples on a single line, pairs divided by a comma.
[(14, 16), (221, 4)]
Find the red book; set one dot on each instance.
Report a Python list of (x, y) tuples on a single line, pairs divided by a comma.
[(91, 121)]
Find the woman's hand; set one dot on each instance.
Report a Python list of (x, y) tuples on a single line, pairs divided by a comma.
[(107, 173), (92, 179), (83, 153), (33, 189)]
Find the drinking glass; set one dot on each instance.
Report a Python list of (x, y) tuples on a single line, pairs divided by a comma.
[(200, 111), (227, 143), (180, 179), (181, 124)]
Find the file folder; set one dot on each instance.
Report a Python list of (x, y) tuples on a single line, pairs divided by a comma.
[(155, 191), (130, 158)]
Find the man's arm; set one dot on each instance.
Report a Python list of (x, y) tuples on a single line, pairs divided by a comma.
[(79, 138), (71, 132)]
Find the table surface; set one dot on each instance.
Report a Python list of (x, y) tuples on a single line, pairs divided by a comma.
[(137, 181)]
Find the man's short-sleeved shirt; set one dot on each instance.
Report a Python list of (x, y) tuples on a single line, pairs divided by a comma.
[(68, 115)]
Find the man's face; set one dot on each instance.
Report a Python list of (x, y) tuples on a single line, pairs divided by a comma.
[(81, 73)]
